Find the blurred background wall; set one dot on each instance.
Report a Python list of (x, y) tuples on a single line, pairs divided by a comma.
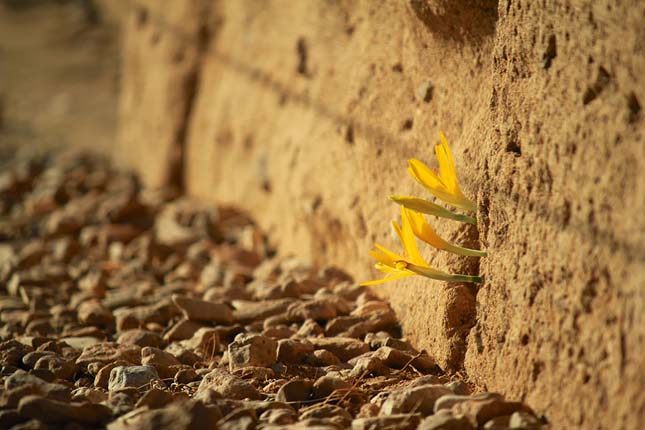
[(304, 113)]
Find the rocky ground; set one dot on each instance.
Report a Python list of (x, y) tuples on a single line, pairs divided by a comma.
[(123, 308)]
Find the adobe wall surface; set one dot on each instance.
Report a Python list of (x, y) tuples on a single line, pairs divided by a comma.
[(305, 112)]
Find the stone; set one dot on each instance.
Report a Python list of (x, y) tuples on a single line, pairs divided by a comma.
[(479, 412), (257, 374), (293, 351), (326, 385), (459, 387), (107, 352), (201, 310), (57, 365), (295, 391), (368, 365), (278, 332), (281, 417), (162, 361), (89, 394), (445, 420), (20, 378), (154, 399), (310, 328), (522, 420), (343, 347), (392, 422), (206, 339), (419, 399), (312, 309), (249, 311), (102, 376), (186, 375), (186, 415), (93, 313), (140, 338), (183, 329), (497, 423), (322, 358), (228, 385), (80, 342), (53, 411), (449, 400), (253, 350), (131, 377), (324, 411), (12, 351)]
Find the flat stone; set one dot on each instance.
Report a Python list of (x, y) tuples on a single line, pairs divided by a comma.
[(131, 377), (57, 365), (312, 309), (206, 340), (187, 415), (253, 350), (449, 400), (445, 420), (328, 384), (522, 420), (293, 351), (326, 411), (248, 311), (140, 338), (52, 411), (296, 390), (368, 365), (392, 422), (419, 399), (94, 313), (479, 412), (107, 352), (183, 329), (228, 385), (20, 378), (201, 310), (102, 376), (162, 361), (322, 358), (344, 348)]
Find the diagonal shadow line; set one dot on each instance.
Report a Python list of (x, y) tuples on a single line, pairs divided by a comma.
[(585, 231)]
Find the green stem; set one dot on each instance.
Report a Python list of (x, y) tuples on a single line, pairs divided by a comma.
[(427, 207), (438, 275), (466, 251)]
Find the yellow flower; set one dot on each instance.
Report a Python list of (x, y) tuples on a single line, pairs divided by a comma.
[(443, 185), (426, 233), (396, 266)]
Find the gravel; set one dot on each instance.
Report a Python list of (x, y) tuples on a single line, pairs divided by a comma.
[(124, 308)]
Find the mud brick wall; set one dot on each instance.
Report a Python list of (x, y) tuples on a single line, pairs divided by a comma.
[(304, 113)]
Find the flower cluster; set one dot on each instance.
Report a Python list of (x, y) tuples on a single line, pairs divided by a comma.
[(444, 186)]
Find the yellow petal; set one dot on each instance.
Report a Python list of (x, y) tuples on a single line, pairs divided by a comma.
[(386, 256), (446, 164), (388, 278), (424, 175), (409, 240), (424, 231)]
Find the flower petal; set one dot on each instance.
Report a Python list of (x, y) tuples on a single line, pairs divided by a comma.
[(424, 231), (388, 278), (409, 240), (446, 164)]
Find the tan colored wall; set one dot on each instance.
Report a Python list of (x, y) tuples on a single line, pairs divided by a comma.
[(305, 113)]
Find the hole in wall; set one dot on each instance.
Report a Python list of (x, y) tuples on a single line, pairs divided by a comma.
[(466, 20)]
